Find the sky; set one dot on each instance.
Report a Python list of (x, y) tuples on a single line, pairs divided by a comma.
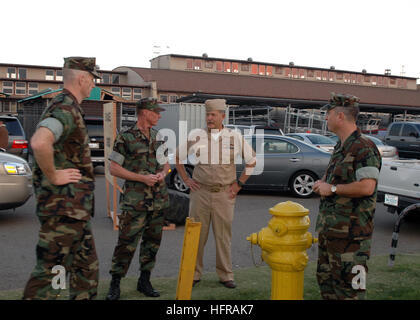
[(350, 35)]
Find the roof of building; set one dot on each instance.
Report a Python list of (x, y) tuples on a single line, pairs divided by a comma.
[(278, 64), (277, 88)]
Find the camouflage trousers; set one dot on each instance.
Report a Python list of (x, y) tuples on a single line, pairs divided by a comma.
[(342, 268), (134, 225), (69, 243)]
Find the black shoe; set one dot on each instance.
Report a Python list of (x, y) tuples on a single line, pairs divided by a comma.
[(114, 289), (229, 284), (144, 286)]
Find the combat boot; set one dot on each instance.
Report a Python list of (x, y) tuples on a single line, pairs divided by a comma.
[(144, 285), (114, 289)]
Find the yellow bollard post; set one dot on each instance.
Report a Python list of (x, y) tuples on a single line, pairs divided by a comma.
[(283, 245), (188, 259)]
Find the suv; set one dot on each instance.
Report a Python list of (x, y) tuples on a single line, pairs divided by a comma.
[(405, 136), (18, 145), (95, 129)]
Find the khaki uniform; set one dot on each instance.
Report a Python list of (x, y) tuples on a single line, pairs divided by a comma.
[(215, 172)]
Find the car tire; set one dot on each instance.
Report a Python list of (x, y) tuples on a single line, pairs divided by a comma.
[(177, 182), (301, 184)]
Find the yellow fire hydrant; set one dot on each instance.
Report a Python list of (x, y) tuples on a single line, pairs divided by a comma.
[(284, 243)]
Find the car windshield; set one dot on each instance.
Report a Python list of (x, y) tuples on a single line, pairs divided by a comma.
[(13, 127), (417, 125), (318, 139)]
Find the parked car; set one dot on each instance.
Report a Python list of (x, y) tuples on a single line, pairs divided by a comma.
[(15, 181), (95, 128), (284, 163), (317, 140), (245, 130), (388, 152), (405, 136), (18, 145), (399, 184)]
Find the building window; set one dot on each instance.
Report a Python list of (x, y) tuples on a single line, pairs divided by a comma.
[(254, 69), (359, 78), (20, 88), (219, 66), (6, 106), (373, 80), (287, 72), (380, 81), (261, 70), (189, 63), (245, 67), (116, 91), (106, 78), (310, 73), (235, 67), (366, 79), (137, 93), (209, 65), (331, 76), (278, 70), (339, 76), (318, 75), (59, 75), (8, 87), (32, 88), (126, 93), (324, 75), (22, 73), (11, 73), (353, 78), (269, 71), (347, 77), (173, 99), (226, 67), (385, 82), (302, 73), (164, 97), (392, 81), (115, 79), (49, 74), (197, 64)]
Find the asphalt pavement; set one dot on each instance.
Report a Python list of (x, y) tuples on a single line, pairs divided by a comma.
[(19, 234)]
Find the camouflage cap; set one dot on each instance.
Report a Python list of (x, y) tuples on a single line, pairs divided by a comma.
[(82, 63), (150, 104), (341, 100)]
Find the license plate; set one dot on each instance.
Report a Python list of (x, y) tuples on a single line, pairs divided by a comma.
[(94, 145), (391, 200)]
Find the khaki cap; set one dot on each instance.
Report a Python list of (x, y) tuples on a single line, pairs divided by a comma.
[(215, 105)]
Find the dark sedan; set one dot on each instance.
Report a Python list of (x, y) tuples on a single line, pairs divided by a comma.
[(282, 163)]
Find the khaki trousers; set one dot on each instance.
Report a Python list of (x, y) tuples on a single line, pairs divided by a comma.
[(215, 208)]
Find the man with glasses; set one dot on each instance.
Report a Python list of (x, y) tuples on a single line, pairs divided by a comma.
[(135, 159)]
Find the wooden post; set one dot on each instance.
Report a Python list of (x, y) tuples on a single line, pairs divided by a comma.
[(188, 259)]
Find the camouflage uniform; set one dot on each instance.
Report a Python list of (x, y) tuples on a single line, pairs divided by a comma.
[(64, 211), (345, 225), (142, 206)]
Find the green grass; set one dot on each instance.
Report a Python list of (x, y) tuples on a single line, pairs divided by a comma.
[(401, 282)]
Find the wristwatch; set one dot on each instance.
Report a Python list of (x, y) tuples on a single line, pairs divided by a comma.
[(333, 188), (240, 183)]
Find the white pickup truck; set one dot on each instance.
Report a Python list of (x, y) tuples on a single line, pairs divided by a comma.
[(399, 184)]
